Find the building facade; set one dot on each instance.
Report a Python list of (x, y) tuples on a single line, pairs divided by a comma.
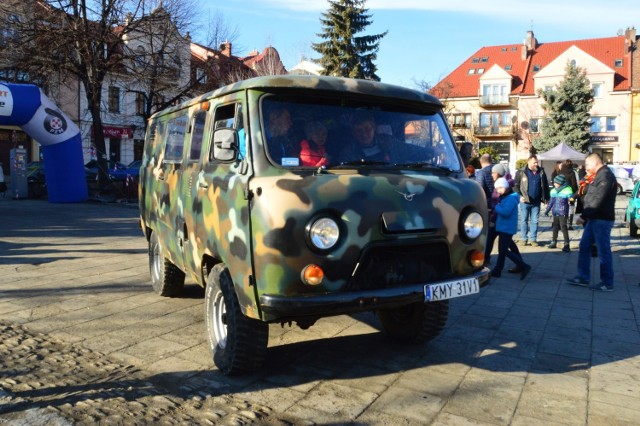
[(492, 99)]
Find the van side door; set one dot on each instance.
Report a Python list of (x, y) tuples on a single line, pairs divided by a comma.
[(223, 198), (170, 213)]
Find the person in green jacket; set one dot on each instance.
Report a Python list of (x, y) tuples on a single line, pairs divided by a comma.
[(558, 205)]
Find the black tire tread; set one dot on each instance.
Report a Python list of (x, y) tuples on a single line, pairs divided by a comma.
[(426, 322), (171, 280), (247, 338)]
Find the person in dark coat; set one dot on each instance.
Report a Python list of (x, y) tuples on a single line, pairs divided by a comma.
[(571, 180), (484, 178), (598, 216)]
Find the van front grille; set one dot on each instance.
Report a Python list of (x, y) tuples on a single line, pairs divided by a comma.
[(397, 266)]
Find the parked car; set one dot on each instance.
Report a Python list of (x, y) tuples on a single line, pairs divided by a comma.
[(632, 214), (114, 170), (623, 177), (36, 181)]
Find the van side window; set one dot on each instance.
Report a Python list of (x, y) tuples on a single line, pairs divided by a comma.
[(225, 117), (197, 135), (175, 138)]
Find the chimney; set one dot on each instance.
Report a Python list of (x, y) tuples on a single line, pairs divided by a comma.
[(630, 38), (225, 49), (529, 45)]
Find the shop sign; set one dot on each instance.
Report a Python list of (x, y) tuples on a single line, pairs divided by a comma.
[(596, 139)]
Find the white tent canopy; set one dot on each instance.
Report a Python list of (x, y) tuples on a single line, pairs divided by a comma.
[(562, 152)]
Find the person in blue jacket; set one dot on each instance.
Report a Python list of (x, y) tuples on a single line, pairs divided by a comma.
[(506, 227)]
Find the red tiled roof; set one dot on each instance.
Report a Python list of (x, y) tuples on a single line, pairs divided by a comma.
[(459, 83)]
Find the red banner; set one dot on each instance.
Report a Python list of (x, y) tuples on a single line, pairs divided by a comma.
[(116, 132)]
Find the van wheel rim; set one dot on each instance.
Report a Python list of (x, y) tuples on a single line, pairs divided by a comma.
[(220, 320), (156, 264)]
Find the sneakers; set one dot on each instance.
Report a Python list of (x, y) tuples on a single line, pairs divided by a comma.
[(577, 281), (537, 243), (553, 245), (525, 271), (566, 248), (515, 270), (601, 287)]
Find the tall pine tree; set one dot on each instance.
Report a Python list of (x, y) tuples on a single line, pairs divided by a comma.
[(567, 107), (344, 54)]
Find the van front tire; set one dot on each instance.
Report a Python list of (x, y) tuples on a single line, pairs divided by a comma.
[(238, 343), (416, 323), (166, 278)]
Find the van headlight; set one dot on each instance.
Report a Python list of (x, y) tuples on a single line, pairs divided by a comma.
[(323, 233), (472, 225)]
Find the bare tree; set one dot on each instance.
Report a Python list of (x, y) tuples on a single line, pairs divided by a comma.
[(86, 40)]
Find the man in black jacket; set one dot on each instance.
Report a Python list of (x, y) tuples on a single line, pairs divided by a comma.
[(533, 187), (598, 216)]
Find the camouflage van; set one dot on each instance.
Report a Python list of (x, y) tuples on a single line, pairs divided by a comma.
[(292, 198)]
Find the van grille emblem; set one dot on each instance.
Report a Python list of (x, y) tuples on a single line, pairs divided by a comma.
[(407, 195)]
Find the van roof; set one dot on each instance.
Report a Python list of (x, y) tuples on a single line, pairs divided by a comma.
[(322, 83)]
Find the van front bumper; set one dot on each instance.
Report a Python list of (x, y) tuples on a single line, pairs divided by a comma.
[(284, 308)]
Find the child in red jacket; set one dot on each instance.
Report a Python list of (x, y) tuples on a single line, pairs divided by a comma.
[(312, 150)]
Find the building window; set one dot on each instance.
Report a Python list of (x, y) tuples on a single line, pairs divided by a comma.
[(617, 63), (471, 71), (595, 125), (504, 49), (201, 76), (534, 125), (507, 67), (114, 99), (495, 119), (514, 48), (140, 103), (475, 60), (494, 94), (461, 120), (484, 59), (611, 124), (536, 68), (480, 70), (548, 88), (597, 90)]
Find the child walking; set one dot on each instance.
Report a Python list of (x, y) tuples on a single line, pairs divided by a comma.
[(506, 227), (559, 207)]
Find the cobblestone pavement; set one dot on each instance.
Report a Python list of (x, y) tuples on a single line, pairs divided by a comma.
[(84, 340)]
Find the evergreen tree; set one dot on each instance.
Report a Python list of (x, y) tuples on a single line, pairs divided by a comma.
[(568, 119), (344, 54)]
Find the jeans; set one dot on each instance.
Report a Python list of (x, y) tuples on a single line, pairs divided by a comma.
[(491, 238), (599, 232), (529, 211), (504, 242)]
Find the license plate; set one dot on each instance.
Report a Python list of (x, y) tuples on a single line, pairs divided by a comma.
[(451, 289)]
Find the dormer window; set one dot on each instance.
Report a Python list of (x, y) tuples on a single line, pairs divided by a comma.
[(475, 60), (480, 70), (617, 63), (471, 71), (507, 67), (484, 59), (536, 68)]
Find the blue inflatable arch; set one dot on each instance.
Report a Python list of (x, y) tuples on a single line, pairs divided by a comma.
[(26, 106)]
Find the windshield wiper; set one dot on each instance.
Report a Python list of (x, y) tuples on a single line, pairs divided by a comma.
[(364, 163), (421, 165)]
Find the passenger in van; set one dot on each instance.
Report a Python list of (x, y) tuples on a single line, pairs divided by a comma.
[(279, 134), (312, 150), (368, 145)]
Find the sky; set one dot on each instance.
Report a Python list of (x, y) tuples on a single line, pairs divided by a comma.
[(427, 39)]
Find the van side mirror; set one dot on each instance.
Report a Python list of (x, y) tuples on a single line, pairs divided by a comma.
[(225, 144)]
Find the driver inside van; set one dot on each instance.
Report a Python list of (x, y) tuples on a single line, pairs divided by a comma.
[(280, 136), (367, 145)]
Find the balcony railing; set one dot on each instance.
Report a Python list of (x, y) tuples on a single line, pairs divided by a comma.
[(494, 100), (493, 130)]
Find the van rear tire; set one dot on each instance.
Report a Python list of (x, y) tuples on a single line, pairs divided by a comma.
[(416, 323), (238, 344), (166, 278)]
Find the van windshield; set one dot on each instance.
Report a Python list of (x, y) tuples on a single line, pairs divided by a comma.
[(341, 132)]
